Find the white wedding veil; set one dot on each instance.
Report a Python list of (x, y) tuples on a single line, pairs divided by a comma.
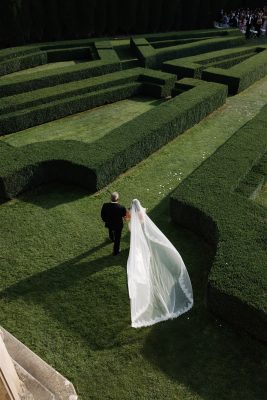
[(158, 282)]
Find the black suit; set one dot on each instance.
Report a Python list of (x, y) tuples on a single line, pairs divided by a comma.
[(112, 214)]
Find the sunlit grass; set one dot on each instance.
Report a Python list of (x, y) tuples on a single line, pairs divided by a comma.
[(86, 126), (65, 295), (262, 197)]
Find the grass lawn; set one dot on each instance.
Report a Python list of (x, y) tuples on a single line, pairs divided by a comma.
[(262, 197), (45, 67), (86, 126), (65, 296)]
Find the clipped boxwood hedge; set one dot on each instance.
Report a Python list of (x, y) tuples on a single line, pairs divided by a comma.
[(193, 66), (95, 165), (193, 34), (23, 62), (109, 62), (211, 203), (151, 57), (33, 108), (242, 75)]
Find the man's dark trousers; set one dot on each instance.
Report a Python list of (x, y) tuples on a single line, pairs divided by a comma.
[(112, 214), (115, 236)]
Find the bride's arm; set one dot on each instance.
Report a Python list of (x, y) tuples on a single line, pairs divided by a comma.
[(127, 217)]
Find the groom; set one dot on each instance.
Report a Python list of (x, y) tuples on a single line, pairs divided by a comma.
[(112, 214)]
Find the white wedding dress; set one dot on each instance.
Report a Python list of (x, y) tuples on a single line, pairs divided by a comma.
[(158, 282)]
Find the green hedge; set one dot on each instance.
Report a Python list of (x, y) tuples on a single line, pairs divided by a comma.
[(192, 34), (33, 108), (17, 59), (23, 62), (255, 180), (72, 53), (109, 62), (37, 115), (210, 203), (174, 42), (33, 98), (13, 52), (151, 57), (95, 165), (242, 75), (194, 66)]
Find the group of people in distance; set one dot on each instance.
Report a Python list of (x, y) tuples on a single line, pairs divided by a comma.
[(251, 22), (158, 282)]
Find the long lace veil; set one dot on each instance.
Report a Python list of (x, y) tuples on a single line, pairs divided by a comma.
[(158, 282)]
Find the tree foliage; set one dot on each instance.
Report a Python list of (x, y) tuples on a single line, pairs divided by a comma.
[(25, 21)]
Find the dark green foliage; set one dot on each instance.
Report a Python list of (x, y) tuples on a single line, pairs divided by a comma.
[(32, 108), (36, 115), (31, 20), (73, 53), (100, 17), (254, 181), (151, 57), (142, 20), (238, 68), (144, 52), (211, 202), (240, 76), (168, 18), (23, 62), (127, 12), (69, 12), (99, 163), (109, 62), (201, 46), (37, 16), (195, 65), (113, 16), (155, 15)]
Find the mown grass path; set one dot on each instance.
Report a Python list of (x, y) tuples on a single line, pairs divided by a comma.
[(87, 126), (262, 197), (65, 296)]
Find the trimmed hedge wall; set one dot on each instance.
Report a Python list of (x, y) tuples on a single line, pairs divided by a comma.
[(23, 62), (34, 108), (150, 57), (210, 203), (109, 62), (194, 66), (17, 59), (94, 166), (242, 75), (243, 66)]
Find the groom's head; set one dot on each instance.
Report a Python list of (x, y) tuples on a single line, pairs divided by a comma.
[(114, 197)]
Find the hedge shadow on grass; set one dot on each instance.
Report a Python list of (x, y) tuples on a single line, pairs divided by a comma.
[(197, 350), (79, 297), (94, 166), (36, 197), (207, 202)]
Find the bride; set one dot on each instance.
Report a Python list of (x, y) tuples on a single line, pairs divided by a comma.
[(158, 282)]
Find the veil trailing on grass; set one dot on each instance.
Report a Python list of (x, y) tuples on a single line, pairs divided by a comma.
[(158, 282)]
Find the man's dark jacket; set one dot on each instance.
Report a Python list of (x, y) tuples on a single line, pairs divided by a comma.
[(112, 214)]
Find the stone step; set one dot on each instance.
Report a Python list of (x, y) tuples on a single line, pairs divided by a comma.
[(43, 373), (36, 390)]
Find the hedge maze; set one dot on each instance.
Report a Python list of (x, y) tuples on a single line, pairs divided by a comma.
[(237, 68), (194, 72), (214, 202)]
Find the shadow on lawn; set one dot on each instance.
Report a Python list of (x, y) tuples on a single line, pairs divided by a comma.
[(196, 349), (56, 194), (82, 296)]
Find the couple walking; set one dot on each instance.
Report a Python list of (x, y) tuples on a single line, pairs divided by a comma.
[(158, 282)]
